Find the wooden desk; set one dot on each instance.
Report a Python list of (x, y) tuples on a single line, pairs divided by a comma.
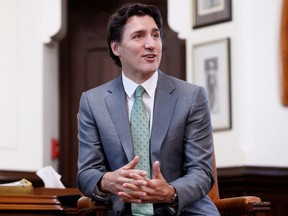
[(30, 205), (43, 201)]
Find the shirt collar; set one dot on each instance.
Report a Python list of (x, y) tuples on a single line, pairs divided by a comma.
[(149, 85)]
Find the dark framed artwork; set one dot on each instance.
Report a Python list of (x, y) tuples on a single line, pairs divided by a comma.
[(209, 12), (211, 67)]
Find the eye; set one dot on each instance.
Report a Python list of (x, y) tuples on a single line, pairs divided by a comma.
[(138, 36), (156, 35)]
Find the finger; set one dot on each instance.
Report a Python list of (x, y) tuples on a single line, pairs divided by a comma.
[(135, 183), (126, 196), (156, 170), (132, 164), (133, 190), (138, 175), (135, 187), (132, 200), (131, 196), (150, 187)]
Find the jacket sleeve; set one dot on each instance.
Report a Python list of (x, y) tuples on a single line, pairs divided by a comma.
[(91, 158), (198, 148)]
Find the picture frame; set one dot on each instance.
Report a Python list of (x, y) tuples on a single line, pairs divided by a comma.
[(284, 54), (211, 67), (209, 12)]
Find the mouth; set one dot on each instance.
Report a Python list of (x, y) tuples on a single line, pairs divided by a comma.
[(150, 56)]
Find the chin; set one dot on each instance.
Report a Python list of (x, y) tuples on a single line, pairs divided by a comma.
[(152, 69)]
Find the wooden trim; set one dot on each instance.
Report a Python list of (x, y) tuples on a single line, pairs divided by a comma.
[(241, 180), (253, 170), (268, 183)]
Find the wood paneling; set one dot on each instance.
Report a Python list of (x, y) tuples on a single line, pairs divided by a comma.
[(268, 183)]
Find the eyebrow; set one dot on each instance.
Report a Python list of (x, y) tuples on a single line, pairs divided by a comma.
[(141, 31)]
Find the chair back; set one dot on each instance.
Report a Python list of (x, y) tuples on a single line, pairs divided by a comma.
[(214, 192)]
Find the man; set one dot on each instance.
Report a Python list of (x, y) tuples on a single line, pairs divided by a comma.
[(180, 145)]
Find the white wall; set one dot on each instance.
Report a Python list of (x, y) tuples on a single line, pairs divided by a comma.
[(28, 87), (29, 81), (258, 136)]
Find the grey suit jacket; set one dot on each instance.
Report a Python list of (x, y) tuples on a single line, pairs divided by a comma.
[(181, 139)]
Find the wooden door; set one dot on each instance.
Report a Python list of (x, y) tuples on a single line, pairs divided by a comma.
[(85, 63)]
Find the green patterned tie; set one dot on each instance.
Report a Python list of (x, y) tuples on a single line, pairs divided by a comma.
[(141, 135)]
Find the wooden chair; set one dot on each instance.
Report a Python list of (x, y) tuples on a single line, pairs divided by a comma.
[(234, 206), (237, 206)]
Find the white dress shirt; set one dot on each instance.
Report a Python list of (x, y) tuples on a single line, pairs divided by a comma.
[(148, 96)]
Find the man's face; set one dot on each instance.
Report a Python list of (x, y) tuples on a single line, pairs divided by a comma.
[(140, 49)]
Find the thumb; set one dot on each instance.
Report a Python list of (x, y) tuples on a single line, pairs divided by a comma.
[(132, 164), (156, 170)]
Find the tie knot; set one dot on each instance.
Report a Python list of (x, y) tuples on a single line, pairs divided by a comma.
[(139, 91)]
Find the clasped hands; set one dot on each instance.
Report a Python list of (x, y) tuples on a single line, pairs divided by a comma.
[(133, 186)]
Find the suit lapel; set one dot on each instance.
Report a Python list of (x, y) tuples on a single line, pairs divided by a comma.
[(164, 107), (116, 105)]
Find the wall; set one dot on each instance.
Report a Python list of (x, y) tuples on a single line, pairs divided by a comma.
[(29, 82), (258, 134)]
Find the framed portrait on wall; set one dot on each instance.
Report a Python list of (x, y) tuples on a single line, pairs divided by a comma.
[(211, 69), (209, 12)]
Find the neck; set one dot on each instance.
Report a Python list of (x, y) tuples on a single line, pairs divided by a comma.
[(138, 78)]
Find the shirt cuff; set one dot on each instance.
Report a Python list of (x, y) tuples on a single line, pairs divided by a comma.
[(100, 196)]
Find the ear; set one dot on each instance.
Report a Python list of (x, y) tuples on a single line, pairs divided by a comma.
[(115, 48)]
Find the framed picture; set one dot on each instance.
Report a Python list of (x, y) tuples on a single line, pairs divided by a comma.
[(211, 63), (209, 12)]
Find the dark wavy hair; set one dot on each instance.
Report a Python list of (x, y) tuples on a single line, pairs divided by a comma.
[(119, 18)]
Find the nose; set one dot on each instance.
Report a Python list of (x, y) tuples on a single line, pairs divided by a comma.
[(150, 42)]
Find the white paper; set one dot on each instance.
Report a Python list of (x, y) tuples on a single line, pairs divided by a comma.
[(50, 177)]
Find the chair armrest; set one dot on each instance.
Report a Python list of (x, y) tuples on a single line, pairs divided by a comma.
[(87, 206), (242, 205)]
